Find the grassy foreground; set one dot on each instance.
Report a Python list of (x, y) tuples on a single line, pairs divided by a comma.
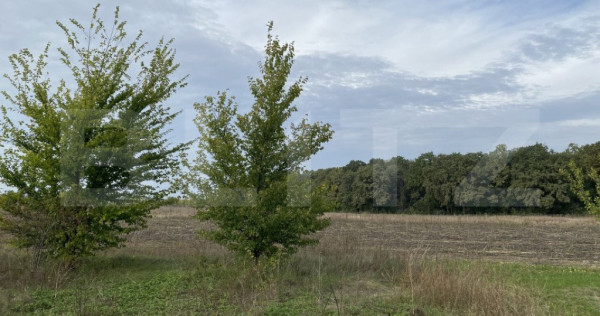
[(149, 277), (373, 284)]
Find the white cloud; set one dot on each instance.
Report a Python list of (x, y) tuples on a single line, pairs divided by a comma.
[(425, 39), (587, 122), (559, 79)]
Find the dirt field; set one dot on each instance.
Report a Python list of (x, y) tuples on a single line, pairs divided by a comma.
[(532, 239)]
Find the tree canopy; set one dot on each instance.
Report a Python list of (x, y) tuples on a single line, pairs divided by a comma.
[(87, 158), (254, 191), (521, 180)]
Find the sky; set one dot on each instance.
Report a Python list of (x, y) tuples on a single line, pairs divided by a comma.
[(392, 77)]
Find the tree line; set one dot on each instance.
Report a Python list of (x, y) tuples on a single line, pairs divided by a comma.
[(525, 180)]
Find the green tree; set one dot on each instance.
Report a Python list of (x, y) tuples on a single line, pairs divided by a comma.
[(344, 193), (87, 160), (536, 169), (417, 181), (361, 194), (484, 185), (583, 177), (577, 179), (385, 194), (330, 180), (254, 191), (402, 167)]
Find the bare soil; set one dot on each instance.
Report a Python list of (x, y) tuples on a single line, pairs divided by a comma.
[(172, 231), (531, 239)]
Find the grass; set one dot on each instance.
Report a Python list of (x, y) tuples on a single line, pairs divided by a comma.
[(541, 220), (116, 285), (165, 270), (567, 290)]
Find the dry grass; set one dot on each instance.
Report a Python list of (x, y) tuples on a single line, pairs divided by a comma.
[(471, 291), (361, 248), (363, 258), (382, 257), (541, 220), (173, 212), (529, 239), (414, 277)]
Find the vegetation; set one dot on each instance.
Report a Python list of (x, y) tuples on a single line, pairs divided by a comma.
[(166, 270), (255, 193), (584, 178), (522, 180), (87, 161)]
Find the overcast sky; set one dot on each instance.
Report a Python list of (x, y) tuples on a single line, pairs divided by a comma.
[(392, 77)]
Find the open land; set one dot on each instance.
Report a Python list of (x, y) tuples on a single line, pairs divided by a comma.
[(365, 264), (528, 239)]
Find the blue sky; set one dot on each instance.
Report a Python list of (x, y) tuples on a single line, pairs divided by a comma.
[(392, 77)]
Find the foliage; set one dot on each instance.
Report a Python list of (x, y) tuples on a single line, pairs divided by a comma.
[(154, 285), (583, 177), (255, 192), (578, 179), (87, 161), (521, 180)]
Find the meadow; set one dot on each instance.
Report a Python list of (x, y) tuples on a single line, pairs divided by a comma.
[(365, 264)]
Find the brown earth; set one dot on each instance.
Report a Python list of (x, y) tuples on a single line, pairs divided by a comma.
[(530, 239)]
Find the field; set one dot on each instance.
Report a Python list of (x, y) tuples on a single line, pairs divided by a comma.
[(528, 239), (365, 264)]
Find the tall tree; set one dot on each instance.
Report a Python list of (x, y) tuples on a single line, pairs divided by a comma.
[(361, 194), (482, 187), (583, 177), (384, 185), (537, 169), (87, 161), (417, 181), (255, 194), (589, 196)]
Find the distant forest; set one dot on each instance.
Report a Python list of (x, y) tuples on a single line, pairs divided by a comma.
[(523, 180)]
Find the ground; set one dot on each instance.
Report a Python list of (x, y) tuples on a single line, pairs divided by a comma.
[(528, 239), (365, 264)]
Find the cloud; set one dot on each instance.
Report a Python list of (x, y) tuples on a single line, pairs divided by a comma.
[(445, 39), (580, 122), (448, 77)]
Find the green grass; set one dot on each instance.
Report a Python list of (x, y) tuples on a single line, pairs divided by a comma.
[(131, 286), (567, 290), (149, 286), (120, 285), (305, 285), (166, 270)]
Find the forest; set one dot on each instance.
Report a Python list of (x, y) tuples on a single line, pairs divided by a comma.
[(525, 180)]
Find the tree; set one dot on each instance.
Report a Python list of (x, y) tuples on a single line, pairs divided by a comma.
[(361, 190), (402, 169), (535, 178), (583, 177), (420, 199), (87, 161), (254, 191), (577, 179), (384, 188), (483, 186)]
